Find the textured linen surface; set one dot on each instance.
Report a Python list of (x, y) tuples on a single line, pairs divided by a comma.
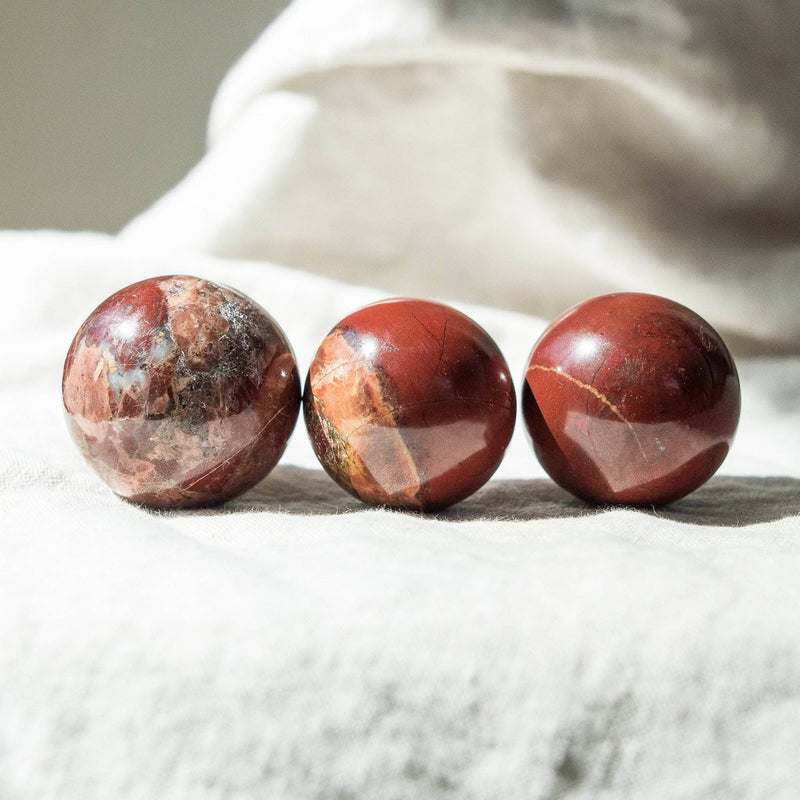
[(517, 153), (296, 645)]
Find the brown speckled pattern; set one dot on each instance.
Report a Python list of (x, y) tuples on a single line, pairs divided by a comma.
[(630, 399), (180, 392), (409, 404)]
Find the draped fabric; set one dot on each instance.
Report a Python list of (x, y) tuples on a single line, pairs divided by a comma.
[(511, 158), (524, 154), (296, 644)]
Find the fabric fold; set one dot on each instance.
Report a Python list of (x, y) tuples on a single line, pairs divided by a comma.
[(529, 156)]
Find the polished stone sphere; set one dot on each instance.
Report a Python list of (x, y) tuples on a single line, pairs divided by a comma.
[(409, 404), (180, 392), (630, 399)]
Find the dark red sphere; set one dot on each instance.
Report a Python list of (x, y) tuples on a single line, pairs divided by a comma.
[(409, 404), (630, 399), (180, 392)]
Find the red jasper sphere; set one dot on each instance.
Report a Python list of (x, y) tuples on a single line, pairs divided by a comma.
[(180, 392), (630, 399), (409, 404)]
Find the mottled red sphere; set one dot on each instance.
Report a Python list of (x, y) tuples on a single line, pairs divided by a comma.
[(630, 399), (409, 404), (180, 392)]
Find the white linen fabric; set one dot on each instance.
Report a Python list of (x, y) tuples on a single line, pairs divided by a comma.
[(524, 154), (296, 644)]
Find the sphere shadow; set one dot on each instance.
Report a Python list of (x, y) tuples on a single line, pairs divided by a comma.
[(736, 501), (296, 490), (724, 501)]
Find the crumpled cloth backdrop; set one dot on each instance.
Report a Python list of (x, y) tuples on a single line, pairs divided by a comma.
[(526, 154), (296, 645)]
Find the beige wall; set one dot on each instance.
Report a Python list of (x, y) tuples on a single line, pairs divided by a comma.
[(103, 103)]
